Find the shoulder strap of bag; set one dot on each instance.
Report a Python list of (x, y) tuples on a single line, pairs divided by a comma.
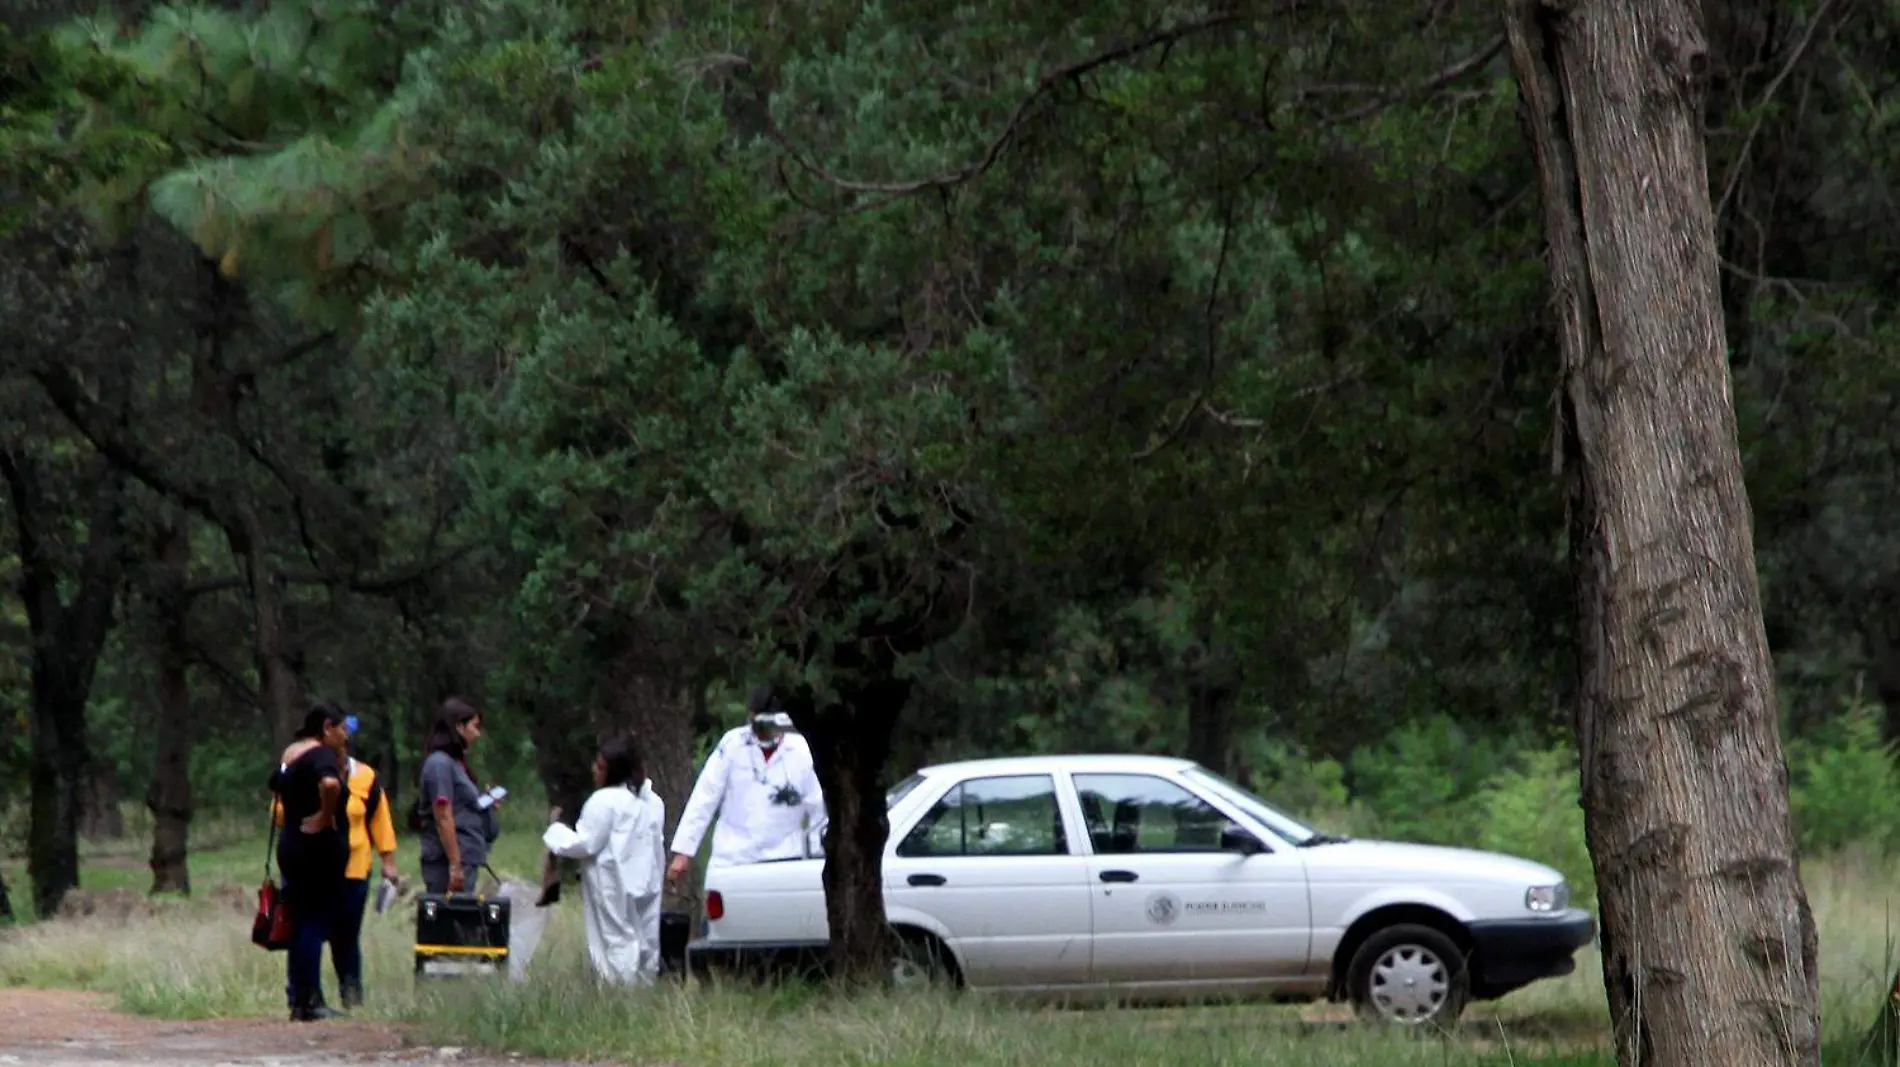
[(375, 798), (270, 843)]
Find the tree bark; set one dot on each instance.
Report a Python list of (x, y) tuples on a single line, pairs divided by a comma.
[(68, 637), (654, 704), (100, 818), (850, 744), (60, 758), (279, 669), (169, 797), (1211, 727), (1709, 945), (565, 741)]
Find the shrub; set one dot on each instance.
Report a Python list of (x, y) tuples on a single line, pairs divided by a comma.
[(1313, 790), (1843, 786), (1535, 810), (1421, 783)]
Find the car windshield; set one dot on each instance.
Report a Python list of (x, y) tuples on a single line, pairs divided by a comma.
[(1278, 821)]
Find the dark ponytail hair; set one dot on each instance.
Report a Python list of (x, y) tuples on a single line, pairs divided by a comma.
[(624, 766), (454, 713), (320, 717)]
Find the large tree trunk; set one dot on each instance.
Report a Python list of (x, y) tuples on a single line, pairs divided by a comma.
[(100, 817), (566, 740), (1211, 727), (60, 759), (654, 705), (1709, 946), (68, 636), (850, 744), (279, 667), (169, 797)]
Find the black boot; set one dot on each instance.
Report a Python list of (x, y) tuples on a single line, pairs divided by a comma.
[(313, 1009), (351, 994)]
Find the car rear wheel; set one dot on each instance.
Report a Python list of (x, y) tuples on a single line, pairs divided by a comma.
[(919, 964), (1409, 975)]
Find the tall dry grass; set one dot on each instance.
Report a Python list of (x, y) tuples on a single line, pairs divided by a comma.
[(195, 960)]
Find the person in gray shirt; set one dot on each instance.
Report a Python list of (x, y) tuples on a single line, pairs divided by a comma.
[(459, 827)]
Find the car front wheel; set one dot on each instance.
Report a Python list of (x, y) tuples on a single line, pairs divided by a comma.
[(1409, 975)]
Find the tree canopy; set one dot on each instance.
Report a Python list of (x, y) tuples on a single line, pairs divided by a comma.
[(990, 378)]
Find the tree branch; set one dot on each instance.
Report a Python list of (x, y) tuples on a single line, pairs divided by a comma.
[(36, 589), (1013, 125), (1761, 106), (228, 677), (1454, 73), (388, 584), (85, 415), (1212, 333)]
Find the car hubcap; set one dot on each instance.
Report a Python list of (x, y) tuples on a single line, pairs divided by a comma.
[(1410, 984), (909, 974)]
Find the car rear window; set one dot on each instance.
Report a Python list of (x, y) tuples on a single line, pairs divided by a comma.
[(901, 790)]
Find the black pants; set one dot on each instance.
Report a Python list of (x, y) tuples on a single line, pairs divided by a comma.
[(312, 890), (346, 937)]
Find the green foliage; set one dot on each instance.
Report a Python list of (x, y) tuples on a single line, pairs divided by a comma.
[(1315, 788), (1197, 398), (1534, 810), (267, 137), (1843, 783), (1426, 778)]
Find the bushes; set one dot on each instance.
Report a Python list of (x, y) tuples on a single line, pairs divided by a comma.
[(1435, 782), (1843, 785), (1534, 810), (1423, 781)]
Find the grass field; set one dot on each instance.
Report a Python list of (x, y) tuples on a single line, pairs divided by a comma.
[(193, 959)]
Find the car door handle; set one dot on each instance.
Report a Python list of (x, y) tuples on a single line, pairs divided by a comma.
[(926, 879), (1118, 876)]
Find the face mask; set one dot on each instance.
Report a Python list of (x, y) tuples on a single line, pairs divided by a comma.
[(767, 735)]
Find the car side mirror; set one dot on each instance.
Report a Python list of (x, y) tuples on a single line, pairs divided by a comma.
[(1235, 838)]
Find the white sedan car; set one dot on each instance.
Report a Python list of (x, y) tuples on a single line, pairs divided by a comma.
[(1146, 878)]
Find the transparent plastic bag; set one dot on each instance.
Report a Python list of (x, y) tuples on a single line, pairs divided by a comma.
[(526, 924)]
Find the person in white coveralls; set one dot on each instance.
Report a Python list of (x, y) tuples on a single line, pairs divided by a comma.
[(760, 785), (620, 841)]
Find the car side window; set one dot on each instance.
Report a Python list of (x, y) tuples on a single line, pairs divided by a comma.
[(1139, 813), (1011, 815)]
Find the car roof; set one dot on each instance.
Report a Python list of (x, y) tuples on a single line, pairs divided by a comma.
[(1078, 762)]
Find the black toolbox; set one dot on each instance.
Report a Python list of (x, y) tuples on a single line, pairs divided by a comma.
[(461, 934)]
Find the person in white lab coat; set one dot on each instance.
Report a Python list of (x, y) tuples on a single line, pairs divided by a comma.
[(761, 786), (620, 841)]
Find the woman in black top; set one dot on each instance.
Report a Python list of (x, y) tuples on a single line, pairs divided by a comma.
[(313, 850)]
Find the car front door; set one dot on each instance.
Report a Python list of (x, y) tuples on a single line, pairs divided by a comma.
[(993, 861), (1173, 903)]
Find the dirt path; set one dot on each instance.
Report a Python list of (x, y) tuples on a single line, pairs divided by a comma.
[(84, 1030)]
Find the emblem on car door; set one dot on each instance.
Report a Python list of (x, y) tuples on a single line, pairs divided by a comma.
[(1163, 908)]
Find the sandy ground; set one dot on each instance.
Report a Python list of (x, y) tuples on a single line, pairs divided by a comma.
[(63, 1029)]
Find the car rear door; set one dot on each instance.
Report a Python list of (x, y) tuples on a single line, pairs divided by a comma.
[(995, 862), (1170, 906)]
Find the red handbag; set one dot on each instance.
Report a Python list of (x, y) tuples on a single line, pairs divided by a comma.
[(270, 930)]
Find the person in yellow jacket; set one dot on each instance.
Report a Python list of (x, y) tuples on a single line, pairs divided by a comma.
[(372, 834)]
